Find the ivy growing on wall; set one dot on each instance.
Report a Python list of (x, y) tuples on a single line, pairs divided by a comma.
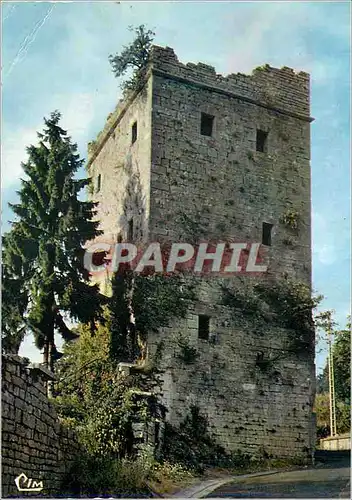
[(284, 303), (193, 445), (291, 219), (188, 354), (193, 228)]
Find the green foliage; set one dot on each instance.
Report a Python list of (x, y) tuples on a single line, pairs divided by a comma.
[(81, 371), (103, 476), (284, 303), (291, 219), (191, 445), (293, 305), (192, 227), (342, 364), (242, 298), (134, 56), (187, 353), (108, 428), (91, 476), (263, 67), (155, 300), (341, 353), (159, 352), (322, 410), (14, 301), (324, 321), (92, 396), (48, 235), (123, 342), (322, 381)]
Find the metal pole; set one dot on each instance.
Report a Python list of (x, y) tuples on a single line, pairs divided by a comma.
[(332, 401)]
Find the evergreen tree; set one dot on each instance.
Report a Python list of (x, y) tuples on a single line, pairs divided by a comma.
[(47, 239), (122, 345), (14, 300), (135, 56), (141, 304)]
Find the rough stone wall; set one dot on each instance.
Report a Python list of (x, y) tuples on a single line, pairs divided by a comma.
[(228, 189), (222, 182), (33, 440), (264, 412), (124, 168)]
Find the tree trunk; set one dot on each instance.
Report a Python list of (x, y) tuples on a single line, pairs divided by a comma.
[(46, 353), (51, 368)]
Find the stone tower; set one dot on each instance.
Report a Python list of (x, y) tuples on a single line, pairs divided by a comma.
[(231, 155)]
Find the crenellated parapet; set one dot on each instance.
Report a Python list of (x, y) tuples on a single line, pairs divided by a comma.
[(280, 89)]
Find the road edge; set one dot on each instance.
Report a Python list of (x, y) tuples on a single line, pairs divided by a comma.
[(201, 490)]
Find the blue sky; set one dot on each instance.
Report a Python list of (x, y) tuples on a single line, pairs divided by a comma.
[(55, 56)]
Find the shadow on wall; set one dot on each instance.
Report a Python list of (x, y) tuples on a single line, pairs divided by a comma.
[(133, 218)]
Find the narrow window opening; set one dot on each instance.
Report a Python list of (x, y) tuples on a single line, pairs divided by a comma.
[(206, 124), (98, 183), (261, 141), (134, 132), (130, 230), (203, 327), (266, 236)]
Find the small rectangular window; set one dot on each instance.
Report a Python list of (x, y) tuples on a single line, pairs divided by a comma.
[(261, 141), (98, 183), (206, 124), (203, 327), (134, 132), (266, 236), (130, 230)]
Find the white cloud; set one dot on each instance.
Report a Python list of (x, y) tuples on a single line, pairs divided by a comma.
[(324, 249), (277, 34), (78, 113), (13, 152)]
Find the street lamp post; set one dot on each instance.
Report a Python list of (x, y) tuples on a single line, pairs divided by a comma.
[(333, 431)]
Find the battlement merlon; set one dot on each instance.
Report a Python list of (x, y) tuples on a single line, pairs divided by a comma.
[(279, 89), (282, 90)]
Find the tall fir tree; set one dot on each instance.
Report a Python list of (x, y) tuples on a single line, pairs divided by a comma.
[(14, 299), (48, 237)]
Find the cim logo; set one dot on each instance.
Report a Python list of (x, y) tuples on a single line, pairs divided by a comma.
[(24, 483)]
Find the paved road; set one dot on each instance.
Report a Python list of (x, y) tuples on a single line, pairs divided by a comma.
[(329, 478)]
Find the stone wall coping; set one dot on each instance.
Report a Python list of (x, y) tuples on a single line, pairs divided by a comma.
[(44, 372), (15, 358), (346, 435)]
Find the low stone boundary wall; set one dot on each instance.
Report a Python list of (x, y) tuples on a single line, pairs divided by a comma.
[(34, 442), (342, 442)]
